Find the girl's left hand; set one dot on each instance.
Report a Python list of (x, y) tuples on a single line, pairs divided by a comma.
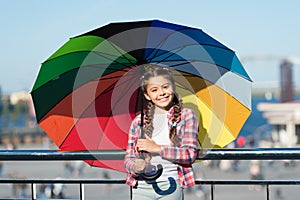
[(148, 145)]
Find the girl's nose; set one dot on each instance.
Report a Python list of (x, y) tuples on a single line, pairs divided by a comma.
[(162, 91)]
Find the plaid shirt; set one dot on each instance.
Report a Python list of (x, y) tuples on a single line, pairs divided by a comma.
[(184, 155)]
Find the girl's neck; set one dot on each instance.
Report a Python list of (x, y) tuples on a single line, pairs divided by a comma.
[(159, 110)]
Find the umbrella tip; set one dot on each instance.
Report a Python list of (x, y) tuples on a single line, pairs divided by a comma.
[(141, 62)]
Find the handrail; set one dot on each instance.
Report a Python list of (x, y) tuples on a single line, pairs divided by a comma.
[(204, 154), (122, 181), (250, 154), (64, 181), (248, 182), (212, 183)]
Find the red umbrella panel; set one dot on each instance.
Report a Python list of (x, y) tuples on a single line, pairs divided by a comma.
[(86, 121)]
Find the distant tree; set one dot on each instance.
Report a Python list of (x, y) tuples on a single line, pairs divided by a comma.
[(11, 107)]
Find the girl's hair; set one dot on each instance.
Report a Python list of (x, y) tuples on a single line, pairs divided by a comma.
[(153, 71)]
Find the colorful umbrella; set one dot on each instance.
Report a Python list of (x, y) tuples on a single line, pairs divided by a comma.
[(87, 93)]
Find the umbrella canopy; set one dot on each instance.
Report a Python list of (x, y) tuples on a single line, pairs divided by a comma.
[(87, 93)]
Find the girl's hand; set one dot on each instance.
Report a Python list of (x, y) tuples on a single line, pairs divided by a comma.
[(139, 165), (148, 145)]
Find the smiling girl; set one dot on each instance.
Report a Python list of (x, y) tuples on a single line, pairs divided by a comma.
[(171, 140)]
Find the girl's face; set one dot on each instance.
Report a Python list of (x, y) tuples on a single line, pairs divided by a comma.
[(160, 91)]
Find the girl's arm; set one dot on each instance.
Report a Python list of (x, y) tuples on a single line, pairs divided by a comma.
[(130, 156)]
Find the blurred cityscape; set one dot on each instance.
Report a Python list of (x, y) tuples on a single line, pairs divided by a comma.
[(18, 123), (17, 119)]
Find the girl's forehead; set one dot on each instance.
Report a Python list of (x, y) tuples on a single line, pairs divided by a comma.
[(158, 80)]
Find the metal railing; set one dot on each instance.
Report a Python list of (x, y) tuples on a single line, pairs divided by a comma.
[(205, 154)]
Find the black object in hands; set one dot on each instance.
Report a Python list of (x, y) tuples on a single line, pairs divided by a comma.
[(152, 173)]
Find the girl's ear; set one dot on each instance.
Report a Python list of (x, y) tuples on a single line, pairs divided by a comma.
[(147, 96)]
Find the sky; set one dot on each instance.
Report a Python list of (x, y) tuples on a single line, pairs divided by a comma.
[(32, 30)]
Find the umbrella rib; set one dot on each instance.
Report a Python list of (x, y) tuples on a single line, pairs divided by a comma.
[(123, 92), (122, 54), (113, 61), (185, 28), (96, 66), (164, 40), (118, 76), (110, 67), (167, 53), (191, 61), (176, 50), (114, 86), (110, 114), (101, 136), (77, 120), (112, 77)]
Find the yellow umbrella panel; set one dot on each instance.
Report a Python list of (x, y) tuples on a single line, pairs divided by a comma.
[(221, 115)]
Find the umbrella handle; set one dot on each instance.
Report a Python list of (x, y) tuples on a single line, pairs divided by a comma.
[(154, 176)]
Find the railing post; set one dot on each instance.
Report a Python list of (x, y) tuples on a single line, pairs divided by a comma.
[(33, 191), (81, 191), (268, 191), (212, 191), (130, 192)]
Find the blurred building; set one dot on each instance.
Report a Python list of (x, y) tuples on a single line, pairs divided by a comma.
[(285, 115), (285, 121), (16, 97), (287, 92)]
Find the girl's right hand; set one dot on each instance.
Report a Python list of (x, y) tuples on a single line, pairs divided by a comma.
[(139, 165)]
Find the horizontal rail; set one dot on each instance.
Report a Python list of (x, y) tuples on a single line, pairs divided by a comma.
[(212, 183), (250, 154), (60, 155), (248, 182), (121, 181), (63, 181), (204, 154)]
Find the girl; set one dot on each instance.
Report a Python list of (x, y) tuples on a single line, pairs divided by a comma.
[(171, 140)]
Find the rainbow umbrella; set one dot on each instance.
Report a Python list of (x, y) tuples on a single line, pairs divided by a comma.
[(87, 93)]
